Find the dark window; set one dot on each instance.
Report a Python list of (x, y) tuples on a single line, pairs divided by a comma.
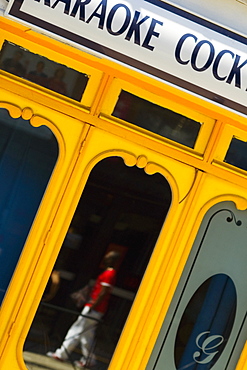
[(157, 119), (27, 158), (213, 306), (42, 71), (121, 208), (237, 154)]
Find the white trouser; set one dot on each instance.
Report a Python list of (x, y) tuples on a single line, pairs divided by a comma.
[(82, 331)]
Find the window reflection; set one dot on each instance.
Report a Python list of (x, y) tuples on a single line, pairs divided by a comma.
[(27, 158), (123, 209), (156, 119), (237, 154), (212, 307), (42, 71)]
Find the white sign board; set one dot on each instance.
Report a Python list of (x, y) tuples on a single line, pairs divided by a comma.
[(151, 36)]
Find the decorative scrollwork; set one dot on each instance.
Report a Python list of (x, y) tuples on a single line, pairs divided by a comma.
[(14, 110), (141, 161), (233, 218), (230, 218), (26, 113)]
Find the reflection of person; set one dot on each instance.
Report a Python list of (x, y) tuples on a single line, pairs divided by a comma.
[(83, 329), (56, 82), (52, 286), (38, 76), (13, 65)]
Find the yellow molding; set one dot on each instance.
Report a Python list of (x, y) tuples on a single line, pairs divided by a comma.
[(86, 135), (27, 37)]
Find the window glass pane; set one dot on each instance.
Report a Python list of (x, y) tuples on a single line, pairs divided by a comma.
[(121, 209), (213, 305), (237, 154), (27, 158), (42, 71), (157, 119)]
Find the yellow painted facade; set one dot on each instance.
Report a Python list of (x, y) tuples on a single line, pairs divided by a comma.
[(87, 132)]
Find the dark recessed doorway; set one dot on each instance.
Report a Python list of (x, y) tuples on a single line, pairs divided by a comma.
[(120, 208)]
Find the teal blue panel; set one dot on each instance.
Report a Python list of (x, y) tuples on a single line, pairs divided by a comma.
[(27, 158)]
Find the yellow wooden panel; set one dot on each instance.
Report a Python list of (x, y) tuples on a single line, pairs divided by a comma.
[(194, 192), (62, 196), (24, 36), (207, 123), (99, 145), (66, 59), (75, 132), (224, 141), (228, 132), (206, 192)]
